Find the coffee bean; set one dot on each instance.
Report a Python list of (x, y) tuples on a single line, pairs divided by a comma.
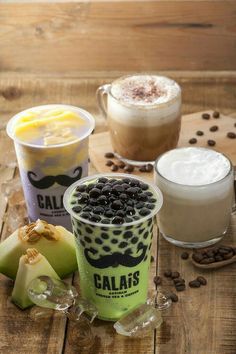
[(216, 114), (121, 164), (194, 284), (206, 116), (168, 273), (197, 257), (109, 163), (214, 128), (201, 280), (175, 275), (142, 168), (157, 280), (184, 255), (210, 254), (231, 135), (114, 168), (199, 133), (109, 155), (180, 287), (207, 260), (192, 141), (128, 168), (178, 281), (211, 142), (149, 167), (228, 256), (173, 297), (218, 258)]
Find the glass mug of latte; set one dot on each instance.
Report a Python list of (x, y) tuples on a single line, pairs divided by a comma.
[(144, 116), (198, 191)]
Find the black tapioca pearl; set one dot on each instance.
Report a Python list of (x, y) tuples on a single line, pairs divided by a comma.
[(106, 190), (102, 199), (120, 213), (88, 230), (87, 239), (82, 243), (95, 218), (150, 206), (90, 186), (105, 221), (131, 191), (73, 202), (102, 180), (149, 194), (144, 211), (117, 189), (134, 240), (83, 198), (114, 241), (126, 180), (130, 203), (87, 208), (85, 215), (77, 209), (109, 213), (128, 251), (117, 220), (130, 210), (125, 186), (104, 236), (127, 234), (117, 204), (152, 200), (94, 193), (123, 196), (135, 217), (140, 205), (106, 248), (145, 236), (143, 197), (144, 186), (98, 210), (123, 244), (93, 202), (112, 180), (100, 185), (98, 241), (117, 232), (81, 188)]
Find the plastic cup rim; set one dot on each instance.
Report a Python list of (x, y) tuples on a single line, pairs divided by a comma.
[(85, 114), (69, 190)]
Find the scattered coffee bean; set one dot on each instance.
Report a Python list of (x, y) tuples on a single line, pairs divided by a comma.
[(129, 168), (202, 280), (142, 168), (109, 163), (231, 135), (149, 167), (109, 155), (173, 297), (121, 164), (199, 133), (184, 255), (178, 281), (211, 142), (157, 280), (180, 287), (175, 275), (194, 284), (206, 116), (114, 168), (216, 114), (197, 257), (214, 128), (168, 273), (192, 141)]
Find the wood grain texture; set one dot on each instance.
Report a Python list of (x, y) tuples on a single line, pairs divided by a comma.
[(117, 35)]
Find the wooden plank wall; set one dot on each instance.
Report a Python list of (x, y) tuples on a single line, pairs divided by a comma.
[(95, 36)]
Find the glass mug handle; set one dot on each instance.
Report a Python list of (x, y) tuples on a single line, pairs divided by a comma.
[(101, 91)]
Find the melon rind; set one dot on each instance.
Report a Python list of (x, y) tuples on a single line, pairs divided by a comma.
[(60, 253), (25, 274)]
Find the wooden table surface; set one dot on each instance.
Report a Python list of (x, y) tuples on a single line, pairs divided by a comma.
[(203, 321)]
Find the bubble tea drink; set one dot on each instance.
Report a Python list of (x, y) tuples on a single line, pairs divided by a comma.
[(112, 217), (197, 187), (144, 116), (51, 144)]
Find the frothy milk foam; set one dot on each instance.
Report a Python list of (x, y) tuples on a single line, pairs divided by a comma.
[(193, 166), (141, 93)]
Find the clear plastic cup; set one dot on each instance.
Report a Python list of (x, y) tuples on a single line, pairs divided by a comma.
[(46, 171), (113, 260)]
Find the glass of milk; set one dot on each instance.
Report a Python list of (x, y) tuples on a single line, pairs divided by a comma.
[(197, 187)]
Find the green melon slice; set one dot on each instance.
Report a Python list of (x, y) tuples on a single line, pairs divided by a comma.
[(31, 266), (54, 242)]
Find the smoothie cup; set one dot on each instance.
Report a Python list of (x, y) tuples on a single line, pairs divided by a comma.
[(47, 171), (113, 260)]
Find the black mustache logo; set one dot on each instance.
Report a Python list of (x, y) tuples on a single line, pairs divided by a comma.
[(48, 181), (115, 259)]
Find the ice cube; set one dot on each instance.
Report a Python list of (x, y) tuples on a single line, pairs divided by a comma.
[(139, 322), (82, 306)]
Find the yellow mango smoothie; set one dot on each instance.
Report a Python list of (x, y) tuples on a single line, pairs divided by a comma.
[(51, 144)]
